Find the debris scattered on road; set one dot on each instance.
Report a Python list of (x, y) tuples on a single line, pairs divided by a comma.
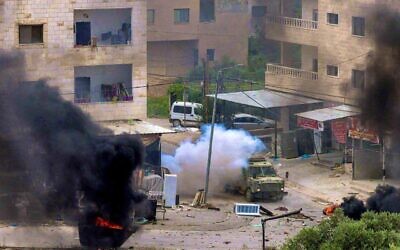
[(199, 198), (281, 209), (265, 211), (227, 242), (214, 208)]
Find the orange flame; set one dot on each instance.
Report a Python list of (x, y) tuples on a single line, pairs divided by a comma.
[(329, 210), (100, 222)]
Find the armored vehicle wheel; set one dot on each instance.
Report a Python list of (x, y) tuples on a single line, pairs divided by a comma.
[(249, 195)]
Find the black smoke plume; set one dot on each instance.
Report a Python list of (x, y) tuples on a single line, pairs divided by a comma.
[(353, 207), (385, 199), (381, 97), (53, 157)]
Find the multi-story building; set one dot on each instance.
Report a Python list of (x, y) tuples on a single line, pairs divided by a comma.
[(322, 47), (94, 51), (181, 33)]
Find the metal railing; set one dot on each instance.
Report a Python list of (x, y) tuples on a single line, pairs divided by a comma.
[(291, 72), (293, 22)]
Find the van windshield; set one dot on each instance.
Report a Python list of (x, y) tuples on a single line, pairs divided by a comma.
[(197, 111), (180, 109)]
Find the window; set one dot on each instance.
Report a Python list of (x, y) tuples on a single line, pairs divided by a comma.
[(333, 18), (181, 15), (358, 79), (358, 26), (210, 54), (197, 111), (207, 10), (180, 110), (332, 70), (151, 16), (82, 89), (315, 65), (315, 15), (258, 11), (30, 34)]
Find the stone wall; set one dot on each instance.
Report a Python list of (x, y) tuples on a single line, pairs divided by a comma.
[(56, 58)]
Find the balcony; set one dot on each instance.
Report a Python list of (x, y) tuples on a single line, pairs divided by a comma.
[(291, 30), (293, 22), (102, 27), (103, 84), (278, 70)]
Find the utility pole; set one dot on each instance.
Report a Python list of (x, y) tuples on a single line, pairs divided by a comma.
[(219, 80), (211, 141), (205, 88), (184, 103)]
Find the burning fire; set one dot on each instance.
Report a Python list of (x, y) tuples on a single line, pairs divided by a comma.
[(100, 222), (329, 210)]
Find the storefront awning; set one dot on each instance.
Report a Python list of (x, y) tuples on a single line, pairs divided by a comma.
[(329, 114), (265, 99)]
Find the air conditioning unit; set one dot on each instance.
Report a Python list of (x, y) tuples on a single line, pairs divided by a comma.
[(247, 209)]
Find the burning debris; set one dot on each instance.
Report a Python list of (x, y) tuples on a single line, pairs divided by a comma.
[(231, 151), (56, 150), (385, 199)]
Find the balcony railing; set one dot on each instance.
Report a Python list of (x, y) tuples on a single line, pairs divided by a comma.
[(291, 72), (293, 22)]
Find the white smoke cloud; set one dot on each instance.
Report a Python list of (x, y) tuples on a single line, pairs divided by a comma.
[(231, 151)]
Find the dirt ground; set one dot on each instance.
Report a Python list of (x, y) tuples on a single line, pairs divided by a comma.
[(186, 228), (309, 187)]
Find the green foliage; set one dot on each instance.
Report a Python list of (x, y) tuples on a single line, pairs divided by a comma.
[(158, 107), (373, 231)]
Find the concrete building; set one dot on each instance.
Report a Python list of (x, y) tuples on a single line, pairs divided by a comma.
[(93, 51), (322, 47), (181, 33)]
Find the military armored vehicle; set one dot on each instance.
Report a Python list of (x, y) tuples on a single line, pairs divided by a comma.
[(259, 181)]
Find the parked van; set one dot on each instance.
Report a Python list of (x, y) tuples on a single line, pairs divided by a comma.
[(188, 113)]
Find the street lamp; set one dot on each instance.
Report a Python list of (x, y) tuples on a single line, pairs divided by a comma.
[(219, 80)]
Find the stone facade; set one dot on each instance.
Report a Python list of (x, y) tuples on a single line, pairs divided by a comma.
[(321, 44), (56, 58), (172, 45)]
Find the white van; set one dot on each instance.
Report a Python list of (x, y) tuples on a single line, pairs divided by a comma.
[(188, 113)]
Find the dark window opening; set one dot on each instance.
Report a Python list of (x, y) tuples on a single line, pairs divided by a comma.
[(258, 11), (181, 15), (82, 90), (211, 54), (358, 79), (333, 18), (332, 70), (151, 16), (207, 10), (30, 34), (359, 26), (315, 65), (315, 15), (83, 33)]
